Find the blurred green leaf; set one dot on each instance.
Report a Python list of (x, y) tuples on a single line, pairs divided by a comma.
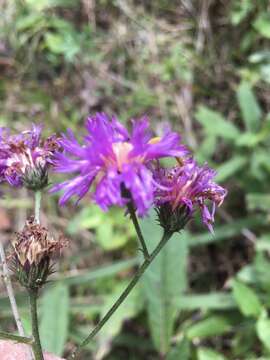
[(212, 326), (164, 280), (262, 24), (114, 235), (55, 318), (180, 351), (258, 201), (246, 299), (208, 354), (249, 106), (210, 301), (215, 124), (99, 273), (227, 231), (263, 329), (41, 5), (240, 10), (230, 167)]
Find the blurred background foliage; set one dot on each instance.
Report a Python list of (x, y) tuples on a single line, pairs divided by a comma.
[(202, 66)]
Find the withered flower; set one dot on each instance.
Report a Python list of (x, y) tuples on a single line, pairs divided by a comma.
[(34, 250)]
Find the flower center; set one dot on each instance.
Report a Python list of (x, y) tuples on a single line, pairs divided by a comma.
[(121, 152)]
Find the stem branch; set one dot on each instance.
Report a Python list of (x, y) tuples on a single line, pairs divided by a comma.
[(10, 291), (37, 206), (18, 339), (134, 219), (125, 293), (37, 349)]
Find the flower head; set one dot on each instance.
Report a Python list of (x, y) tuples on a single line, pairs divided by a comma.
[(25, 158), (184, 188), (33, 252), (114, 162)]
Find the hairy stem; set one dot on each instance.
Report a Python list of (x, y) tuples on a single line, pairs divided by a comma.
[(10, 292), (125, 293), (37, 349), (134, 219), (37, 206)]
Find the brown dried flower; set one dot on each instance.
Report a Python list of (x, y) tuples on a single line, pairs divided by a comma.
[(33, 251)]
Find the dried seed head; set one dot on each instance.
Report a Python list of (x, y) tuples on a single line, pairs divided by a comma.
[(33, 251)]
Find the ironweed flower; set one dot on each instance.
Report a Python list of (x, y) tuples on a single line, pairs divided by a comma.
[(25, 158), (113, 162), (184, 188), (33, 251)]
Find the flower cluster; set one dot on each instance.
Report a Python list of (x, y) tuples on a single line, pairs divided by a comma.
[(33, 251), (116, 163), (184, 188), (115, 167), (122, 167), (25, 158)]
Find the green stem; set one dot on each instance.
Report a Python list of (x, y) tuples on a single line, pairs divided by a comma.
[(37, 206), (16, 338), (134, 219), (166, 236), (37, 349)]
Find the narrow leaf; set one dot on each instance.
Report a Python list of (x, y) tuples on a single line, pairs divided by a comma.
[(211, 301), (230, 167), (208, 354), (246, 299), (164, 281), (263, 330), (249, 107), (215, 124), (55, 318), (214, 325)]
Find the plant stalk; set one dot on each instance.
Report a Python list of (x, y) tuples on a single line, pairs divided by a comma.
[(16, 338), (134, 219), (10, 291), (37, 349), (166, 236), (38, 196)]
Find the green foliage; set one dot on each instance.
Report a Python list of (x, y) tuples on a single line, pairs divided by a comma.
[(208, 354), (250, 109), (207, 72), (55, 319), (246, 299), (164, 281), (117, 232)]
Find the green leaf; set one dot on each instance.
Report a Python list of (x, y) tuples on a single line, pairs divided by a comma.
[(55, 318), (180, 351), (211, 301), (114, 235), (208, 354), (262, 24), (99, 273), (230, 167), (211, 326), (246, 299), (263, 329), (227, 231), (249, 107), (258, 201), (164, 280), (215, 124)]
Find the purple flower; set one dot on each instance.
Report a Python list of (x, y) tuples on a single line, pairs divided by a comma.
[(113, 162), (187, 187), (25, 157)]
